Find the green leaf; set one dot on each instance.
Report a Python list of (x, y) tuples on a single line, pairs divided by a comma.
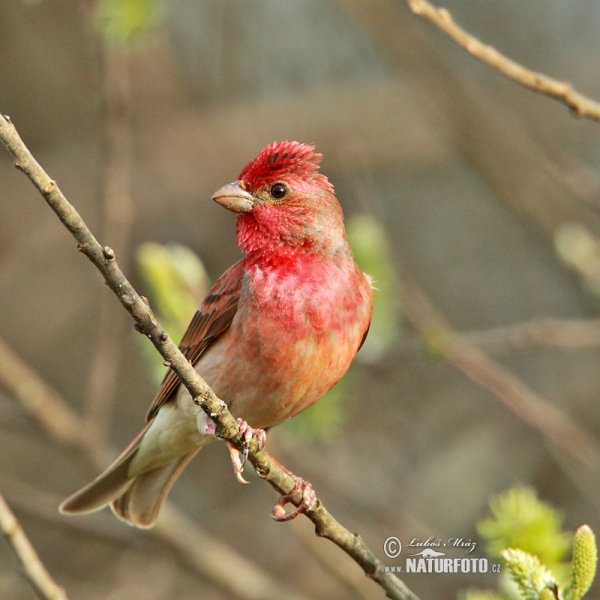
[(371, 250), (521, 520), (177, 282), (122, 22)]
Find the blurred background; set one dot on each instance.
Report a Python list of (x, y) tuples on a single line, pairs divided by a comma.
[(473, 201)]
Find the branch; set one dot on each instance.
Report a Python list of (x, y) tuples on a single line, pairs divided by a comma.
[(537, 334), (34, 570), (509, 160), (563, 334), (561, 91), (104, 259), (555, 425)]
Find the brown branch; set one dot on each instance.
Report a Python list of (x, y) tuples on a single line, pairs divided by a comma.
[(555, 425), (34, 570), (544, 333), (40, 504), (561, 91), (508, 159), (44, 404), (104, 259), (562, 334)]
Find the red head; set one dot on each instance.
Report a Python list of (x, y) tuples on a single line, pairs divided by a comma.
[(283, 201), (296, 163)]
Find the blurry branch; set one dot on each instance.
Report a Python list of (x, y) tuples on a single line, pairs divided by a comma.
[(104, 259), (118, 209), (35, 571), (45, 405), (40, 504), (581, 179), (488, 136), (352, 580), (120, 24), (561, 91), (561, 334), (555, 425), (236, 574)]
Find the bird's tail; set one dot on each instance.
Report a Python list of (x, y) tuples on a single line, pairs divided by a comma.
[(136, 500)]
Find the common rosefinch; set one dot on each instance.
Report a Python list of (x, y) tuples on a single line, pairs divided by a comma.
[(276, 331)]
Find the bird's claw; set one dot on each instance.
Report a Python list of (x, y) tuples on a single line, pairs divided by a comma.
[(238, 467), (245, 452), (309, 498), (247, 433)]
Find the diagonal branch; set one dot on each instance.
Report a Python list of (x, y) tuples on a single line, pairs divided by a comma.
[(563, 92), (104, 259), (33, 568), (555, 425)]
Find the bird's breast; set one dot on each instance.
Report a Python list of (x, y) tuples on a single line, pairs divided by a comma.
[(295, 334)]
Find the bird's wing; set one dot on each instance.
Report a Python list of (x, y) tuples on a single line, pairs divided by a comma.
[(211, 320)]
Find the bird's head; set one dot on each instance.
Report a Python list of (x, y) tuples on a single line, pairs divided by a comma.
[(283, 201)]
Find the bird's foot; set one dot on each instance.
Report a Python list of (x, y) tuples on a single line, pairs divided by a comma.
[(234, 454), (309, 499), (247, 433)]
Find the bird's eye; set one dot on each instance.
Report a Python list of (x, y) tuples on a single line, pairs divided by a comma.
[(278, 191)]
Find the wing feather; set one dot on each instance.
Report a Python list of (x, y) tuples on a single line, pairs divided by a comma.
[(211, 320)]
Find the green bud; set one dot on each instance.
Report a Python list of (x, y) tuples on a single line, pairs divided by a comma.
[(548, 594), (583, 568), (528, 573)]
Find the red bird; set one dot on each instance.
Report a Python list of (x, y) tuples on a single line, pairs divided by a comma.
[(276, 331)]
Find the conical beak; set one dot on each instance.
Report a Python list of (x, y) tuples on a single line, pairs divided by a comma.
[(233, 197)]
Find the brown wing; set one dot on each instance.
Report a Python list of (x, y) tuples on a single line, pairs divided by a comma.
[(211, 320)]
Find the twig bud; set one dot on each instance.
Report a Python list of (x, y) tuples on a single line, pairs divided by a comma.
[(109, 253)]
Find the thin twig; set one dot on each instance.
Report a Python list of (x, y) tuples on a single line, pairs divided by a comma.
[(227, 428), (561, 91), (555, 425), (34, 570)]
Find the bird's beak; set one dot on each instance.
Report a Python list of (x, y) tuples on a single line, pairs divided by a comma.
[(233, 197)]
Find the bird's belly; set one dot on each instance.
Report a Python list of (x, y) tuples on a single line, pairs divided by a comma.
[(272, 373)]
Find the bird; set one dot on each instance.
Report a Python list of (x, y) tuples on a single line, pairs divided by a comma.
[(276, 331)]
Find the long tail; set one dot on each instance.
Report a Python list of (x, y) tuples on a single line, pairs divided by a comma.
[(136, 500)]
